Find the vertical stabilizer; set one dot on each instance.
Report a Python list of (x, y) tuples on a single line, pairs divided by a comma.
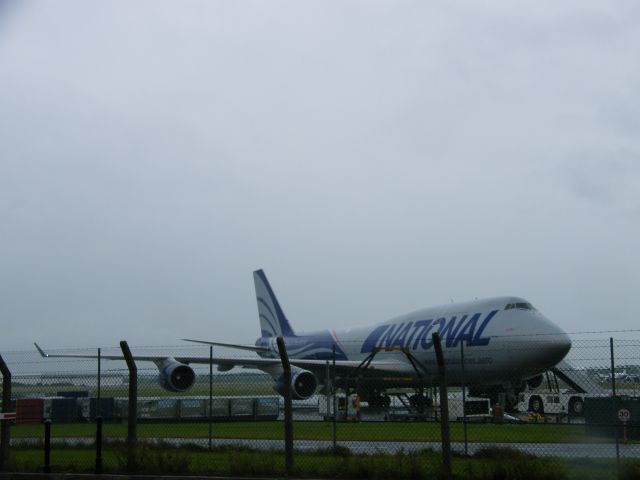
[(273, 322)]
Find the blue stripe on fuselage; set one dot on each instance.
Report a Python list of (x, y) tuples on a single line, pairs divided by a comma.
[(315, 346)]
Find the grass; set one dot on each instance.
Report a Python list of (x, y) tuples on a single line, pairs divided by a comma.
[(251, 384), (150, 390), (490, 464), (363, 431)]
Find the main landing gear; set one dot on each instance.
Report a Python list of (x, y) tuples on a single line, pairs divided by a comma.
[(376, 397)]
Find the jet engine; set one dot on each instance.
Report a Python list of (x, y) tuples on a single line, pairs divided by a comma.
[(175, 376), (303, 384)]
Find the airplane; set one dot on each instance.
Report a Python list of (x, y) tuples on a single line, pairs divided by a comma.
[(505, 342), (622, 376)]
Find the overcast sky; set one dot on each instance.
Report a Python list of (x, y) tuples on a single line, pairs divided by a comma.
[(373, 157)]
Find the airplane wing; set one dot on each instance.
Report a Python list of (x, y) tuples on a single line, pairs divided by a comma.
[(226, 363), (252, 348)]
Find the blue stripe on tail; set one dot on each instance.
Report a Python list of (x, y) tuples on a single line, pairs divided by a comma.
[(273, 321)]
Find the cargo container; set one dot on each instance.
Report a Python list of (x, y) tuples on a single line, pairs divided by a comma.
[(197, 409), (220, 409), (29, 410), (64, 410), (267, 408), (193, 408), (150, 409), (102, 407), (242, 407), (167, 408)]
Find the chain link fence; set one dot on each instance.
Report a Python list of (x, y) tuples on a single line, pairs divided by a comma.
[(579, 420)]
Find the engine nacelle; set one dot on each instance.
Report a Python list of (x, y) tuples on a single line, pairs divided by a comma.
[(303, 384), (176, 377)]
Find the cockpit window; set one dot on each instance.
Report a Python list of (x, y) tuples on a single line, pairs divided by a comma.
[(520, 306)]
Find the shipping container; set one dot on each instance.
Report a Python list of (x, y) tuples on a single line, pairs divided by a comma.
[(220, 408), (242, 407), (102, 407), (146, 408), (196, 409), (193, 408), (167, 408), (29, 410), (267, 408), (64, 410)]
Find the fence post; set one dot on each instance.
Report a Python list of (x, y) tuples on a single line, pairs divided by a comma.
[(5, 428), (98, 445), (614, 399), (99, 401), (47, 446), (288, 406), (444, 405), (327, 383), (335, 405), (210, 396), (132, 417), (464, 401)]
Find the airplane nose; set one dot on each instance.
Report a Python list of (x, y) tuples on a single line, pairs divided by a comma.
[(545, 345), (557, 345)]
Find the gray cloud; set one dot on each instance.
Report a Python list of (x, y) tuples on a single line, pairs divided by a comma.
[(372, 157), (611, 178)]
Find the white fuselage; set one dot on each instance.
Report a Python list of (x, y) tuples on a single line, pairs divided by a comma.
[(496, 340)]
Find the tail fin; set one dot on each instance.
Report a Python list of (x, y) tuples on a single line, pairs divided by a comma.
[(273, 322)]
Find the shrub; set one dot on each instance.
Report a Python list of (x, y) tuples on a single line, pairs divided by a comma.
[(503, 453), (153, 459), (251, 463), (498, 463), (337, 451), (630, 470)]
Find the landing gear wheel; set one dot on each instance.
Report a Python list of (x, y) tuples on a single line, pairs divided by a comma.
[(536, 405), (379, 401), (419, 402), (576, 407)]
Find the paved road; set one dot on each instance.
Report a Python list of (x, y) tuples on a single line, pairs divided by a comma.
[(565, 450)]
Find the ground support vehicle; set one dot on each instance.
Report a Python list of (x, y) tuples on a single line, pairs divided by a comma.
[(563, 402)]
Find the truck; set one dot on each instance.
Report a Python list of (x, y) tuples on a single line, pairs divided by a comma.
[(559, 402)]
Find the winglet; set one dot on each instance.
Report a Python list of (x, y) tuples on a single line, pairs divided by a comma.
[(41, 351)]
